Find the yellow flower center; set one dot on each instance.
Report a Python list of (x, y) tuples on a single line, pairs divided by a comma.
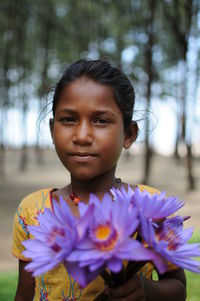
[(102, 232), (107, 238)]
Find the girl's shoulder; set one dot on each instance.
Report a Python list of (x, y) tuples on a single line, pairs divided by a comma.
[(150, 189), (38, 199), (143, 187)]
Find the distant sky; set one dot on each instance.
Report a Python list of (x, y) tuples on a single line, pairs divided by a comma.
[(164, 134)]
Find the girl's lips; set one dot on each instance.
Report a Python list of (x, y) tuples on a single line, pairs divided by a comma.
[(83, 157)]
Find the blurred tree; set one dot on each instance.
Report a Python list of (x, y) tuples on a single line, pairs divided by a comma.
[(24, 68), (179, 16), (149, 68), (45, 25), (145, 38), (7, 33)]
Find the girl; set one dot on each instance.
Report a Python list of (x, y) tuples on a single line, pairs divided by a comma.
[(92, 122)]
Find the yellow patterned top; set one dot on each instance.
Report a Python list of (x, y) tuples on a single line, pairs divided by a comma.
[(56, 285)]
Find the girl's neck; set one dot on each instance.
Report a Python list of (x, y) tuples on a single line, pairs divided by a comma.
[(98, 185)]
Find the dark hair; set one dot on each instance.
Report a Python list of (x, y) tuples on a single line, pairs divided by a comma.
[(103, 73)]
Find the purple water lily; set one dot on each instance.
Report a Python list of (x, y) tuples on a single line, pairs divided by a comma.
[(122, 194), (169, 242), (156, 206), (108, 240), (164, 235), (102, 236), (82, 275), (54, 238)]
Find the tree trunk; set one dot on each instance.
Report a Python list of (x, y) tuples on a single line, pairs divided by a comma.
[(24, 149), (182, 33), (176, 151), (2, 147), (149, 71), (2, 141), (6, 85), (24, 64), (189, 158), (45, 42)]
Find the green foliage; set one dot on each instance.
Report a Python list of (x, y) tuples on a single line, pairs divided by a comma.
[(8, 284), (193, 292)]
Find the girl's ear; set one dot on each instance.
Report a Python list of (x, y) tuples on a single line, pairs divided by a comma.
[(131, 134), (51, 126)]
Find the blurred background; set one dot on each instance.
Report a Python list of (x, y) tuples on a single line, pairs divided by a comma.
[(156, 43)]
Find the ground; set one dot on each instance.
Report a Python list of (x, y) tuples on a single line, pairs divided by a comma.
[(167, 174)]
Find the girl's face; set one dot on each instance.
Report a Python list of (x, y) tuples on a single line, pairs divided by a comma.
[(88, 130)]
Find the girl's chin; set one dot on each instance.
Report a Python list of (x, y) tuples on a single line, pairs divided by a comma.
[(88, 173), (84, 176)]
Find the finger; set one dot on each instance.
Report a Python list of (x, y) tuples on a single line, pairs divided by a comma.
[(134, 284), (136, 296)]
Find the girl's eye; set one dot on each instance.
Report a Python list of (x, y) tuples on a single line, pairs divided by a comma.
[(68, 120), (101, 121)]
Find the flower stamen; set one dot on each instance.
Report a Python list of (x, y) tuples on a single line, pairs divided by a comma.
[(171, 237), (105, 237), (52, 237), (102, 232)]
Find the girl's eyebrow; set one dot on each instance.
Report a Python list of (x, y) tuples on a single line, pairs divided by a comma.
[(96, 112), (64, 110), (103, 112)]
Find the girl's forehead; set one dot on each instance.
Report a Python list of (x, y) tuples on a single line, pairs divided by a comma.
[(86, 92), (88, 87)]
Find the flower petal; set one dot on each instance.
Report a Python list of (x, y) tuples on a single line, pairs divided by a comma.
[(115, 265)]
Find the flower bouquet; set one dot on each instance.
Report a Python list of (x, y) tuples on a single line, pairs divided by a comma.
[(136, 226)]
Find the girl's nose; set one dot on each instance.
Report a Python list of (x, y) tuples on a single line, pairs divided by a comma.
[(83, 134)]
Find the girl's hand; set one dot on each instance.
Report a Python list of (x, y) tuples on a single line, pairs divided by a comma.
[(133, 290)]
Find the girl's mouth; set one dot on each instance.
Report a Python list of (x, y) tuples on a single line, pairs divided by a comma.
[(83, 157)]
